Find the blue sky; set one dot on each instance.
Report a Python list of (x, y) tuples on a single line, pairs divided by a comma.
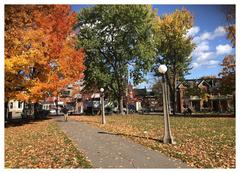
[(208, 34)]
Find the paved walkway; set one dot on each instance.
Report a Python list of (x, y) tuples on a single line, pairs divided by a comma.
[(106, 150)]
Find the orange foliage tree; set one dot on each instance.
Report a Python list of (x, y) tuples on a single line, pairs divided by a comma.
[(40, 51)]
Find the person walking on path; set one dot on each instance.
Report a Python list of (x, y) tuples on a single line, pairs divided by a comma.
[(65, 111)]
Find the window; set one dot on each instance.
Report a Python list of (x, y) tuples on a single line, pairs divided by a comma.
[(46, 107), (19, 104), (11, 105)]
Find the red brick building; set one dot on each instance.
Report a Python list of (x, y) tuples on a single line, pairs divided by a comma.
[(205, 96)]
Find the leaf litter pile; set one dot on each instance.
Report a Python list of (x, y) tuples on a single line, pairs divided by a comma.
[(201, 142), (41, 145)]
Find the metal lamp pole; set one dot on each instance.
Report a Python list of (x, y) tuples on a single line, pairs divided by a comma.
[(102, 105), (167, 138)]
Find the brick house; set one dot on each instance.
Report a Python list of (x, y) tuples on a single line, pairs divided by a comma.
[(210, 101), (144, 99)]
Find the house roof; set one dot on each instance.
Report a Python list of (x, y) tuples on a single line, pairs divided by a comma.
[(190, 82), (140, 92)]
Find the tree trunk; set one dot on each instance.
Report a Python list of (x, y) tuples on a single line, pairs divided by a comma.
[(126, 101), (76, 106), (6, 110), (24, 110), (127, 93), (56, 102), (35, 111), (234, 103), (118, 100), (169, 100), (173, 102), (127, 105), (172, 90), (171, 82), (120, 105)]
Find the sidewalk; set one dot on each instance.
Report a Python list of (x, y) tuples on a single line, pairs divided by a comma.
[(105, 150)]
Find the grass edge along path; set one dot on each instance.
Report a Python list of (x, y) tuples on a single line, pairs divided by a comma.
[(41, 145)]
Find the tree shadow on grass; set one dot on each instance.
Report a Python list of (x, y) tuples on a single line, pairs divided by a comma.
[(134, 136), (21, 122)]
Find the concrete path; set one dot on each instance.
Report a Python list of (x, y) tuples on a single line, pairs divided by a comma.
[(106, 150)]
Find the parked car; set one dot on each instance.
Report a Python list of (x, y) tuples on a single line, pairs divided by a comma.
[(108, 110), (131, 108), (115, 110), (92, 107), (31, 111), (53, 111)]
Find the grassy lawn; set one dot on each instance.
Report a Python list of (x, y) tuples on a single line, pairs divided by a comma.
[(40, 145), (201, 142)]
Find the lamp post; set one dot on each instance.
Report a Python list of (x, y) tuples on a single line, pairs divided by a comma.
[(167, 138), (102, 106)]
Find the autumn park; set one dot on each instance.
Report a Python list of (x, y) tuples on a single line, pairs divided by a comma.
[(119, 86)]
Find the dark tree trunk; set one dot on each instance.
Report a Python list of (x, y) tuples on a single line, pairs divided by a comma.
[(56, 102), (172, 88), (127, 111), (120, 105), (6, 110), (173, 98), (234, 103), (24, 110), (127, 93), (35, 111)]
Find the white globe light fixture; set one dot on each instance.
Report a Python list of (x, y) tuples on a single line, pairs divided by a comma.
[(162, 69), (102, 90)]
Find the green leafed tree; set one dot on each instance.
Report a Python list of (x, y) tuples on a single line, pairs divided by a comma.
[(119, 42), (174, 47)]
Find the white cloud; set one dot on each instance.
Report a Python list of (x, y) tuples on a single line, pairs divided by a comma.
[(213, 62), (211, 66), (218, 32), (195, 65), (205, 56), (193, 31), (223, 49), (202, 55), (196, 39), (201, 47), (206, 36)]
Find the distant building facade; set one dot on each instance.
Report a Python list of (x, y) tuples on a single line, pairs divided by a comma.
[(15, 108), (208, 98), (144, 100)]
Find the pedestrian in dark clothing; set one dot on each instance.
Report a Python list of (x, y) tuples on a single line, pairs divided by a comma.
[(65, 111), (189, 111)]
